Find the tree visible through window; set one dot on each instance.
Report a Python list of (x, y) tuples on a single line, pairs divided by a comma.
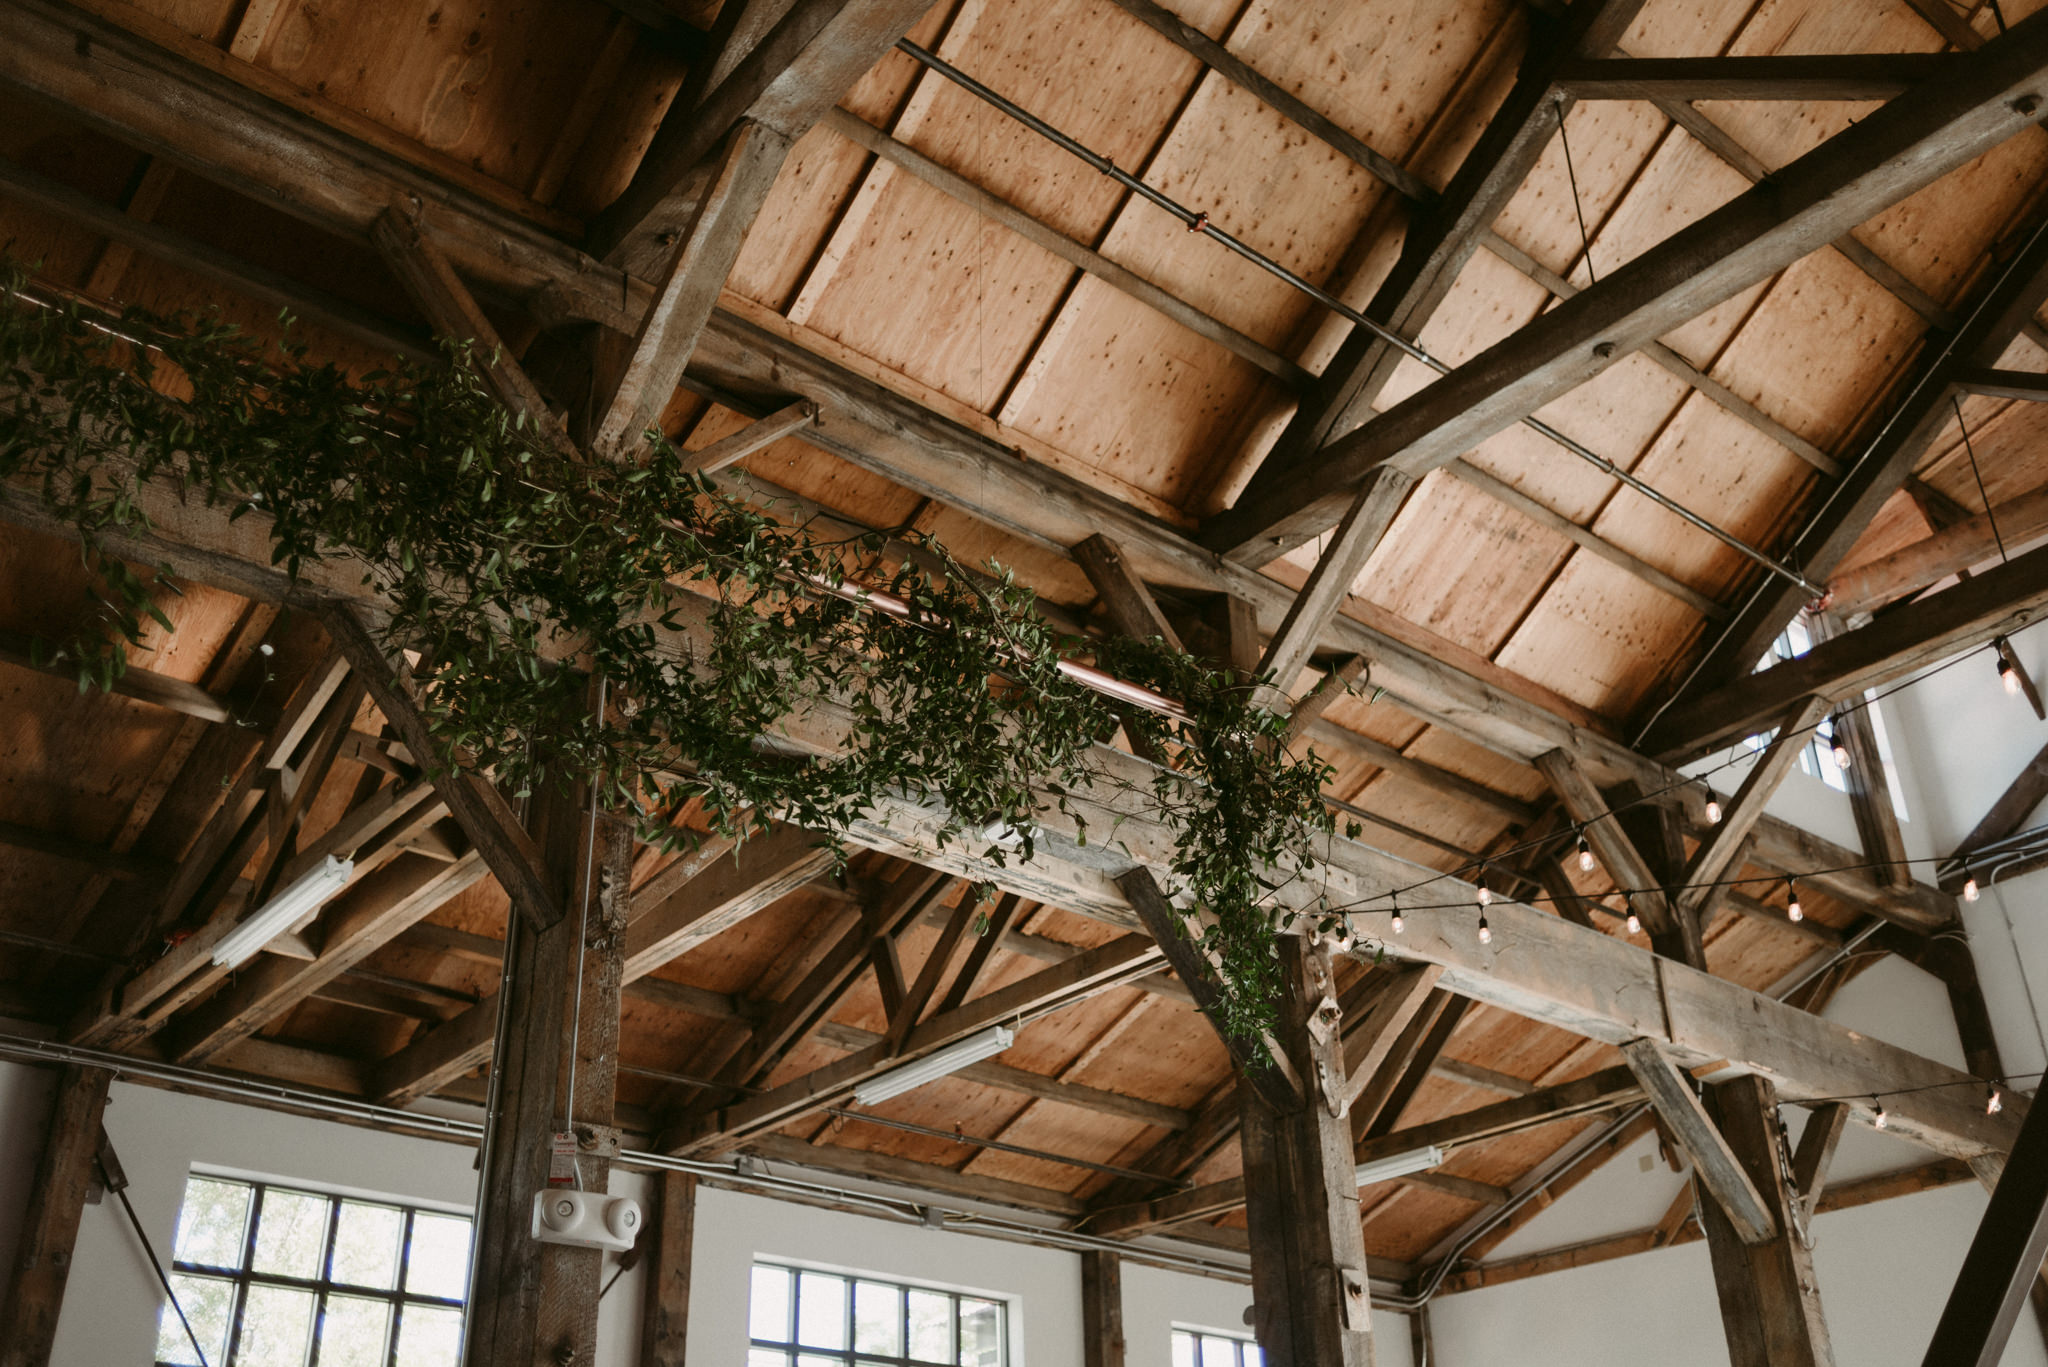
[(1200, 1348), (273, 1277), (800, 1318)]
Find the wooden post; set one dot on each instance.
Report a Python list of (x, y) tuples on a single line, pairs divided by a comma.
[(2004, 1260), (1311, 1304), (1770, 1301), (49, 1228), (535, 1302), (1102, 1309), (665, 1318)]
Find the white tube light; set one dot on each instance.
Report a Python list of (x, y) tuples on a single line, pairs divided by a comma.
[(931, 1067), (282, 912), (1399, 1165)]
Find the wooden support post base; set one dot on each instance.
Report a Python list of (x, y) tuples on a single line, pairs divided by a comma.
[(1311, 1304)]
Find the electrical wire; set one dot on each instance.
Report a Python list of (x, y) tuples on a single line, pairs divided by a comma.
[(157, 1263), (1970, 450)]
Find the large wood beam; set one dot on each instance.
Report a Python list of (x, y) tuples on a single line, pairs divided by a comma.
[(746, 878), (1435, 250), (671, 1239), (128, 88), (1309, 1297), (1715, 1165), (1951, 550), (1770, 1297), (744, 174), (1995, 603), (49, 1226), (1102, 1309), (2004, 1261), (1720, 854), (786, 81), (1617, 851), (1893, 153), (1825, 76), (2002, 306)]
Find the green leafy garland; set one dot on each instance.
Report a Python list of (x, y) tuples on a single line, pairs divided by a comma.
[(499, 556)]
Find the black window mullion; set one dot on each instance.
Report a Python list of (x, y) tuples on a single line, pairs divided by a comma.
[(398, 1302), (327, 1275), (240, 1300)]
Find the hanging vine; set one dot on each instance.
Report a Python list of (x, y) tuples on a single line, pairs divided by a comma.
[(498, 558)]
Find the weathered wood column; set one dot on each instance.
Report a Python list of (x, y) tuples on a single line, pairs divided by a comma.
[(665, 1314), (535, 1302), (1102, 1308), (49, 1227), (1311, 1304), (1770, 1301)]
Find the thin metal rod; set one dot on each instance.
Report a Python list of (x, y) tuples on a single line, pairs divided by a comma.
[(1199, 223)]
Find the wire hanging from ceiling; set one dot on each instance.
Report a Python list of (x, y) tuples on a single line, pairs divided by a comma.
[(1201, 223)]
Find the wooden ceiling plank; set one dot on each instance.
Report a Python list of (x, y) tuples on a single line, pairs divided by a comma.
[(1828, 76), (1391, 1089), (1047, 990), (1895, 152), (1995, 603), (724, 891), (1077, 254)]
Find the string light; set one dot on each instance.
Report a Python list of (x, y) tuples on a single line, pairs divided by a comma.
[(1342, 939), (1635, 922), (1994, 1100), (2008, 673), (1585, 853), (1713, 810), (1399, 923), (1485, 893), (1485, 931), (1841, 754), (1970, 892), (1793, 911), (1878, 1117)]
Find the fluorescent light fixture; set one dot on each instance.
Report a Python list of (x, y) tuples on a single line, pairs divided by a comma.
[(1399, 1165), (282, 912), (931, 1067)]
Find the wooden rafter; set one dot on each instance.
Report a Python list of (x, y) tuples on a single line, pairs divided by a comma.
[(1825, 76)]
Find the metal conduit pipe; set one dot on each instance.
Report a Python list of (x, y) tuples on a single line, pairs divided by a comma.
[(1199, 223), (451, 1129)]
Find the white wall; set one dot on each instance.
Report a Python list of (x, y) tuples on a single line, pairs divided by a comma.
[(112, 1300)]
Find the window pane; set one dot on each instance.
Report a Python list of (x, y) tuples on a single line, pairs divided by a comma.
[(277, 1326), (438, 1263), (212, 1225), (428, 1336), (1218, 1352), (1253, 1357), (207, 1302), (766, 1357), (809, 1360), (768, 1311), (291, 1234), (931, 1326), (820, 1310), (877, 1319), (366, 1245), (353, 1331), (1183, 1349), (981, 1332)]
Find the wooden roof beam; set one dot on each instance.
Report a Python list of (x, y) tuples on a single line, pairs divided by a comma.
[(1895, 152), (786, 81), (1721, 853), (1434, 252), (1846, 76), (2002, 306), (1951, 550), (1995, 603), (1713, 1163)]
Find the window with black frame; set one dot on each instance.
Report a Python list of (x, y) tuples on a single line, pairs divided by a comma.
[(1201, 1348), (801, 1318), (276, 1276)]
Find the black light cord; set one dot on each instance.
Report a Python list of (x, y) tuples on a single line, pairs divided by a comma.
[(157, 1263), (1571, 176), (1990, 515)]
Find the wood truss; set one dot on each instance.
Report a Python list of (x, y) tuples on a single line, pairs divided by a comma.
[(638, 306)]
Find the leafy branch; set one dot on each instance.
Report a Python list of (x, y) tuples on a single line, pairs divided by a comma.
[(501, 560)]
